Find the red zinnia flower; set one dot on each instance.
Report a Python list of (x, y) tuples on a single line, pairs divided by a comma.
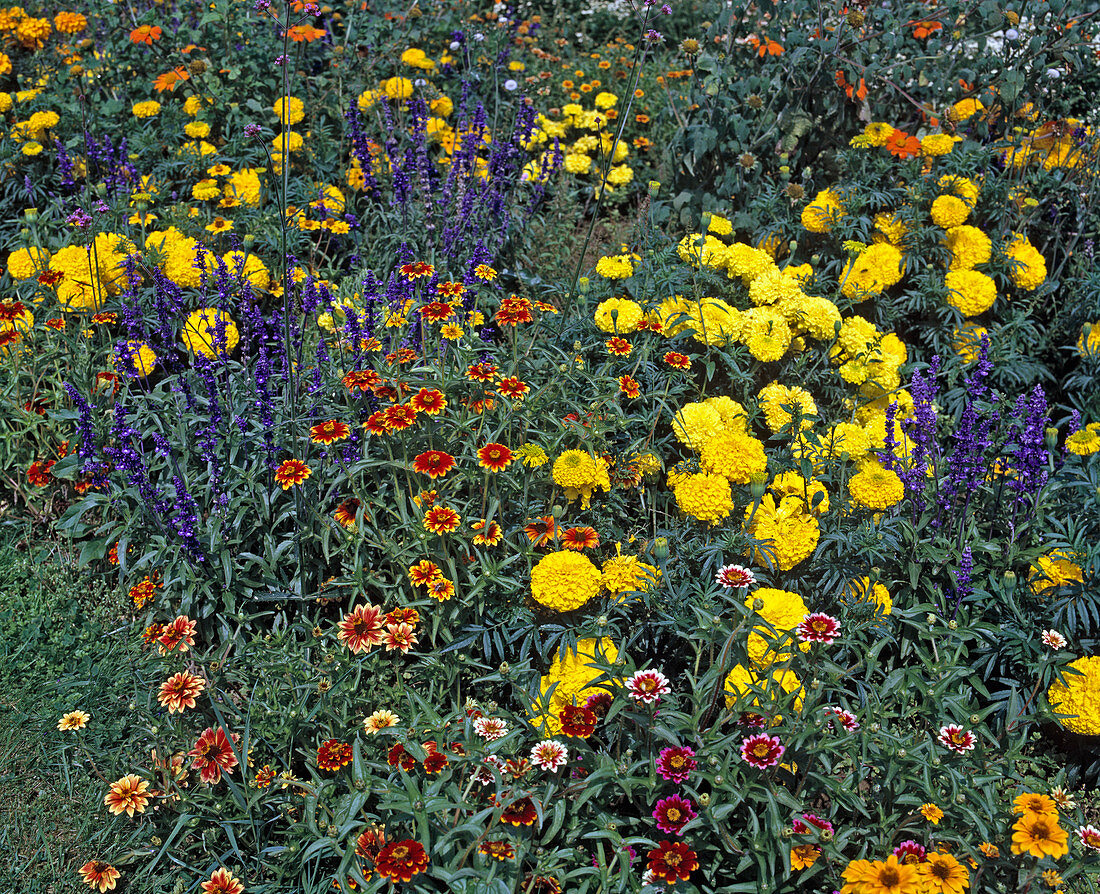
[(10, 311), (450, 289), (580, 539), (52, 278), (399, 757), (599, 702), (956, 738), (489, 535), (408, 616), (361, 628), (619, 346), (222, 881), (629, 386), (673, 813), (98, 874), (180, 691), (762, 751), (520, 813), (512, 386), (494, 457), (436, 312), (292, 472), (735, 577), (400, 417), (541, 530), (399, 636), (671, 862), (39, 473), (377, 424), (435, 762), (677, 360), (401, 860), (577, 721), (416, 270), (180, 633), (902, 145), (430, 401), (433, 463), (513, 311), (213, 753), (481, 372), (498, 850), (56, 323), (329, 432), (442, 520), (676, 763), (333, 754), (423, 573), (819, 628), (361, 379)]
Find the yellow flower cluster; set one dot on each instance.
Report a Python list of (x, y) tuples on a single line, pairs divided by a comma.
[(777, 402), (742, 682), (969, 291), (564, 581), (788, 533), (570, 680), (703, 496), (620, 316), (1079, 697), (586, 139), (783, 611), (579, 474), (875, 487), (1055, 570), (1065, 144), (821, 215), (91, 273), (200, 333)]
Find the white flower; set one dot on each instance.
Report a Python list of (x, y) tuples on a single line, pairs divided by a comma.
[(549, 755), (455, 44), (735, 577), (490, 728), (1054, 640), (646, 687), (510, 84)]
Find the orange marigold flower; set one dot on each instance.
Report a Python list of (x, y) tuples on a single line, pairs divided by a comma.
[(100, 875), (127, 795), (329, 432), (291, 472), (430, 401), (494, 457), (180, 691), (677, 360), (433, 463), (618, 346), (442, 520), (145, 34), (361, 629)]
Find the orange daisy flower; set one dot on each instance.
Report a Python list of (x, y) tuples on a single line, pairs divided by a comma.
[(902, 145), (513, 387), (620, 347), (433, 463), (423, 573), (145, 34), (222, 881), (430, 401), (292, 472), (345, 512), (305, 33), (179, 634), (481, 372), (329, 432), (169, 79), (180, 691), (513, 311), (580, 539), (361, 629), (400, 637), (100, 875), (400, 416), (922, 30), (127, 795), (441, 589), (494, 457), (541, 530), (442, 520), (487, 536)]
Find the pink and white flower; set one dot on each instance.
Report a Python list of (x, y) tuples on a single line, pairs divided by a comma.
[(483, 775), (490, 728), (549, 755), (1054, 640), (819, 628), (735, 577), (646, 687), (956, 738), (762, 751), (1089, 837), (847, 718)]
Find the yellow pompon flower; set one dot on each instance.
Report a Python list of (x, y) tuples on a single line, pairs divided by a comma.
[(705, 497), (788, 533), (821, 215), (1040, 836), (781, 609), (1079, 696), (572, 678), (792, 484), (741, 681), (1029, 267), (695, 424), (620, 316), (949, 211), (290, 110), (937, 144), (579, 475), (200, 333), (564, 581), (1086, 441), (615, 267), (735, 456), (1053, 571), (876, 487), (149, 108), (969, 247), (628, 574), (777, 402)]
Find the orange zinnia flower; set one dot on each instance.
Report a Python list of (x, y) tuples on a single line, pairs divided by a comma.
[(423, 573), (400, 416), (127, 795), (430, 401), (580, 538), (487, 536), (541, 530), (442, 520), (98, 874), (145, 34), (401, 860), (329, 432), (305, 33), (417, 269), (361, 628), (433, 463), (902, 145), (922, 30), (345, 512), (481, 372), (361, 379), (292, 472), (169, 79), (180, 691), (494, 457), (513, 386), (441, 588)]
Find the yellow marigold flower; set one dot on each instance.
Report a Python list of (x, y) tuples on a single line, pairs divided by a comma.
[(715, 223), (702, 251), (628, 574), (965, 188), (200, 333), (290, 110), (937, 144), (414, 57), (564, 581), (28, 262), (874, 269), (704, 497), (964, 109), (747, 262), (533, 455), (788, 533), (734, 417), (861, 590), (615, 267), (777, 401), (735, 456), (878, 132), (969, 247), (1055, 570), (1086, 441), (949, 211), (875, 487), (578, 474), (148, 108), (620, 316), (970, 292), (140, 355), (1088, 343), (967, 341), (1029, 270), (821, 215), (791, 484), (741, 683), (784, 611), (695, 424), (572, 678), (765, 332)]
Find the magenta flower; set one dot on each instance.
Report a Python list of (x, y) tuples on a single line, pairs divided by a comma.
[(646, 687), (675, 764), (762, 751), (673, 813), (910, 852), (819, 628), (847, 718)]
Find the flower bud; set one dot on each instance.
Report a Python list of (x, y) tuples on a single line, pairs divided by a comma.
[(952, 624), (930, 618), (654, 188), (601, 621), (582, 285), (719, 779), (1052, 438), (758, 605), (974, 719), (704, 799), (504, 669), (787, 832), (660, 548), (30, 214), (759, 483)]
